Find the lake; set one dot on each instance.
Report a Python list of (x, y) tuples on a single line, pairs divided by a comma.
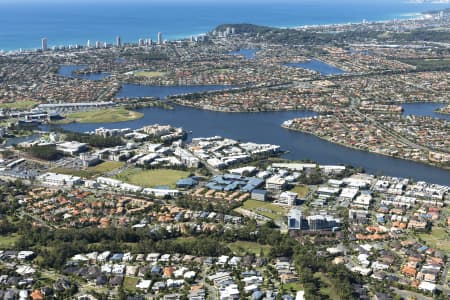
[(67, 71), (424, 109), (246, 53), (318, 66)]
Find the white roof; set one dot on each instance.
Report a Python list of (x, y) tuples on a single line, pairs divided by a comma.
[(249, 169), (80, 257), (144, 284), (276, 180), (300, 295), (427, 286), (349, 192), (294, 166), (73, 145), (58, 177)]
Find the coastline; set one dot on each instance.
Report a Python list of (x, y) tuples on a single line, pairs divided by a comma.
[(368, 151), (186, 36)]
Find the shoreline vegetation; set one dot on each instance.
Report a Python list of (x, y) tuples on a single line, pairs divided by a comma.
[(379, 153), (137, 103)]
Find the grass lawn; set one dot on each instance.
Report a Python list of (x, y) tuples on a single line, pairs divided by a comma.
[(428, 64), (129, 283), (109, 115), (438, 239), (301, 190), (8, 241), (293, 286), (26, 104), (267, 209), (90, 172), (106, 166), (149, 74), (152, 178), (242, 247)]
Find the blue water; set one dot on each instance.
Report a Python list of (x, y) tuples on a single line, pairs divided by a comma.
[(66, 71), (246, 53), (20, 139), (318, 66), (424, 109), (24, 22)]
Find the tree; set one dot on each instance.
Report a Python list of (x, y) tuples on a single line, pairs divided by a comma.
[(44, 152)]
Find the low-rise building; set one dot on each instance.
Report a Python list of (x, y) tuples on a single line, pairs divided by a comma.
[(63, 180)]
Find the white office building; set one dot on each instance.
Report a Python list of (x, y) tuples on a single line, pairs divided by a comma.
[(53, 179)]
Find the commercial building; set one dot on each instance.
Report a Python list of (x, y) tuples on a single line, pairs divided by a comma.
[(109, 181), (72, 147), (322, 222), (358, 216), (186, 183), (89, 160), (349, 193), (187, 158), (232, 182), (160, 192), (275, 183), (260, 195), (288, 198), (74, 106), (296, 221), (53, 179)]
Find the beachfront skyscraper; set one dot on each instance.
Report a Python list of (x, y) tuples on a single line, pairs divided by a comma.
[(160, 38), (44, 44)]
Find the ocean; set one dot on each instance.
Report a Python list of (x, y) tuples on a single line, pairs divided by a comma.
[(24, 22)]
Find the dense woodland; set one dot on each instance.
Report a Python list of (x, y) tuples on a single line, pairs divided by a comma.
[(94, 140)]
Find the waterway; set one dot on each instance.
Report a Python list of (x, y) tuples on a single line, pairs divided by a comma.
[(67, 71), (424, 109), (21, 139), (246, 53), (318, 66)]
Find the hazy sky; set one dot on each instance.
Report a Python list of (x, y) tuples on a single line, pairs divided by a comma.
[(184, 1)]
